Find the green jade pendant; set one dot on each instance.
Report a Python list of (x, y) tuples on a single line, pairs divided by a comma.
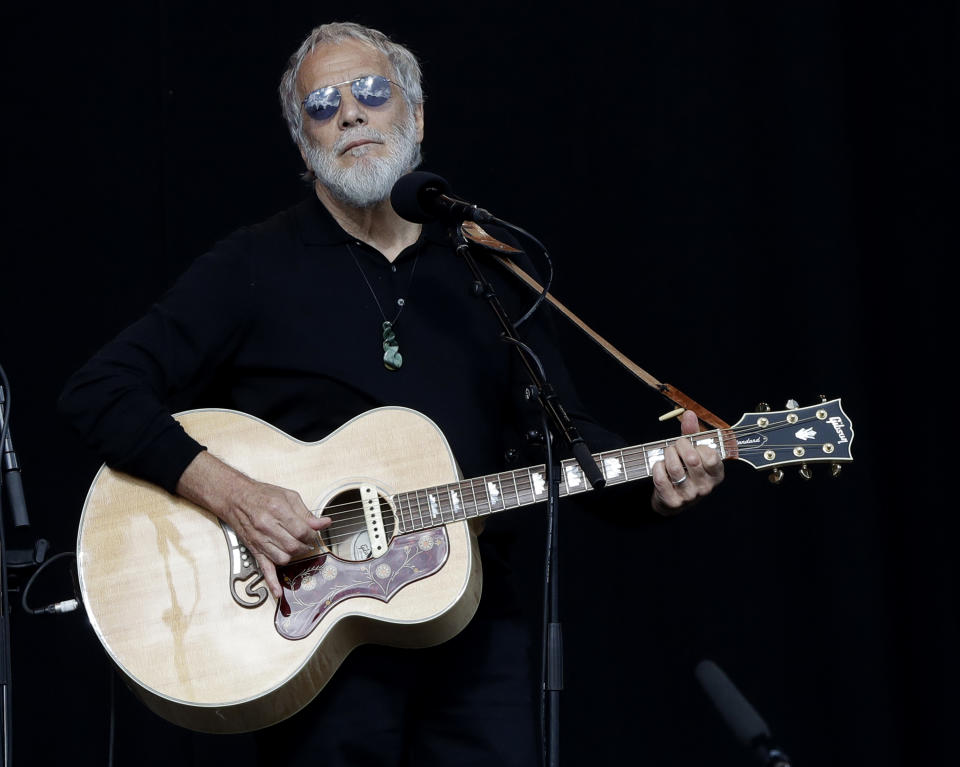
[(392, 359)]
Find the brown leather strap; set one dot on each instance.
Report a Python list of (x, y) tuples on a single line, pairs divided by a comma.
[(474, 233)]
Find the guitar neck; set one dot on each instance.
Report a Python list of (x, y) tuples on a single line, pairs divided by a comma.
[(458, 501)]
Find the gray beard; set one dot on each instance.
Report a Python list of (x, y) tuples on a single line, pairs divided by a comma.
[(369, 180)]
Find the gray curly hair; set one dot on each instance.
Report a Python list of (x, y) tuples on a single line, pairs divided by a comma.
[(405, 65)]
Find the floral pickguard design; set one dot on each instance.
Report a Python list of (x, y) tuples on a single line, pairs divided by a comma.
[(312, 587)]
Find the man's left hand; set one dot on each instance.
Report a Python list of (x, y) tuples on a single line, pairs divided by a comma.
[(687, 472)]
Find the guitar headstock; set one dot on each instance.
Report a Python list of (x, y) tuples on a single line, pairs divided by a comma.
[(819, 433)]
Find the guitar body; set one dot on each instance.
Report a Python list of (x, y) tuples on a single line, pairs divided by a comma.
[(157, 573)]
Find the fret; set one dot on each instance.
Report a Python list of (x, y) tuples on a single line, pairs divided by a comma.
[(653, 456), (410, 520), (456, 504), (401, 524), (528, 491), (720, 446), (446, 508), (516, 492), (639, 470), (538, 484), (477, 504), (613, 466), (420, 508), (433, 506), (418, 522), (480, 501), (517, 500), (573, 478), (495, 499)]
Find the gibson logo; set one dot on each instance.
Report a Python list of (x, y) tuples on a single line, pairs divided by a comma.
[(837, 423), (757, 439)]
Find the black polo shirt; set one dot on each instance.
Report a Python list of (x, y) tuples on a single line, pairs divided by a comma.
[(283, 320)]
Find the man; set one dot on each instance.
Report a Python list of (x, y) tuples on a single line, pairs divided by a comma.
[(280, 320)]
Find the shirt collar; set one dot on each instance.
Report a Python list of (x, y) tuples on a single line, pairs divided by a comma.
[(318, 227)]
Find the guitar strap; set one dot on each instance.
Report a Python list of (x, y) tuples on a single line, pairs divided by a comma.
[(475, 234)]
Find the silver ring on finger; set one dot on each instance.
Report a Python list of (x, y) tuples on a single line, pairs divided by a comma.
[(678, 482)]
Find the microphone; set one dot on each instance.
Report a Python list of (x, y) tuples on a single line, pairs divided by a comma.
[(738, 714), (10, 466), (421, 197)]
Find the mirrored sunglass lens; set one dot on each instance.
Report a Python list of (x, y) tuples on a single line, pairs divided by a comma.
[(373, 90), (322, 104)]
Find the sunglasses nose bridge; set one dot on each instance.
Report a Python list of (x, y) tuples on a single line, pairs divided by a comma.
[(352, 110)]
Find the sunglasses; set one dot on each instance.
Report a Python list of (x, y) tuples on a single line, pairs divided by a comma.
[(369, 90)]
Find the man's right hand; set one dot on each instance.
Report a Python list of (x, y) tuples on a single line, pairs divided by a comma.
[(272, 522)]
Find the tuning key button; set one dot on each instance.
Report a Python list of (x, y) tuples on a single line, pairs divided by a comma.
[(792, 404), (776, 476), (823, 397), (835, 469), (805, 471), (763, 407)]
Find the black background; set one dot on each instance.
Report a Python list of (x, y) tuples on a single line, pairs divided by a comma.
[(755, 201)]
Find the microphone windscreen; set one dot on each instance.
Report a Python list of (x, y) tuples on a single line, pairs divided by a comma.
[(413, 193), (736, 711)]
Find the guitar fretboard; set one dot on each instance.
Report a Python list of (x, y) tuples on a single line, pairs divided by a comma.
[(458, 501)]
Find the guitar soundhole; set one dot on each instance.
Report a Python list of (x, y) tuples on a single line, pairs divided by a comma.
[(349, 537)]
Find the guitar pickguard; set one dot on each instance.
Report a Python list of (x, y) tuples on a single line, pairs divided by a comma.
[(312, 587)]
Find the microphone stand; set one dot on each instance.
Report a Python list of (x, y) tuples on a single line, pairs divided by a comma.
[(9, 485), (556, 421)]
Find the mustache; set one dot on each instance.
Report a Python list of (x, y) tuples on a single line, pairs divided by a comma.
[(356, 134)]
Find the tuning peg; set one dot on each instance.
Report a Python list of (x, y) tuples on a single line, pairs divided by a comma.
[(805, 471), (792, 404), (823, 397), (763, 407), (835, 469), (776, 476)]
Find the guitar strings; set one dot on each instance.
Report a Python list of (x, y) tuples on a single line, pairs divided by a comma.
[(349, 519), (353, 506), (629, 462)]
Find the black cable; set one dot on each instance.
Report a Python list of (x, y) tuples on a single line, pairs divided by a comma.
[(65, 606), (546, 285), (529, 352), (5, 385)]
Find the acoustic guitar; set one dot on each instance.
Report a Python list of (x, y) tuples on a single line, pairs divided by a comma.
[(181, 608)]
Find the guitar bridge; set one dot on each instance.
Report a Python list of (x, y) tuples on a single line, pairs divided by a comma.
[(373, 517)]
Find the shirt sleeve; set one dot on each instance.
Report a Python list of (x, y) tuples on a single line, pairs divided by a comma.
[(120, 401)]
